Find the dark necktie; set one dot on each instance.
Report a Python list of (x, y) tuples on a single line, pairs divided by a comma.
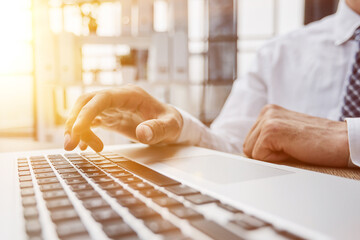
[(351, 107)]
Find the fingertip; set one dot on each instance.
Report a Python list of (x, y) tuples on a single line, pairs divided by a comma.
[(70, 142), (144, 133), (93, 141), (97, 147), (83, 146)]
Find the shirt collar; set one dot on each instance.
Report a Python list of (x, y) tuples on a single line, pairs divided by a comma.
[(346, 22)]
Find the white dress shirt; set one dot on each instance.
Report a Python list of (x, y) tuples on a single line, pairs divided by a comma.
[(305, 71)]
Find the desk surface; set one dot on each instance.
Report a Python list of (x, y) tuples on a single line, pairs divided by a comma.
[(352, 173)]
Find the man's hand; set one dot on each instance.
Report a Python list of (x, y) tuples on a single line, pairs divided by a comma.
[(129, 110), (280, 134)]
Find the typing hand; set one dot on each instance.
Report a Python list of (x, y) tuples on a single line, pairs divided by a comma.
[(128, 110), (280, 134)]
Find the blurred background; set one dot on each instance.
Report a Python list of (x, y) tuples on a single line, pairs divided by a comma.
[(184, 52)]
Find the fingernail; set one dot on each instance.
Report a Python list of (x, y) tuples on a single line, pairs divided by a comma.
[(147, 133), (67, 140)]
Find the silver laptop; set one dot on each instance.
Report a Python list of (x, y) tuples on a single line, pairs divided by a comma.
[(172, 192)]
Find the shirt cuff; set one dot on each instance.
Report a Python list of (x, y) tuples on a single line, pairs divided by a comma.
[(353, 125), (190, 132)]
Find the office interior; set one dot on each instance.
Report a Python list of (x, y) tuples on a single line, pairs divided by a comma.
[(185, 52)]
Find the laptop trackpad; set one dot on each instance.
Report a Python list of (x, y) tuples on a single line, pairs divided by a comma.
[(223, 170)]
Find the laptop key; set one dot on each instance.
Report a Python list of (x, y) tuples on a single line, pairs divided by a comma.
[(70, 228), (105, 215), (95, 174), (110, 165), (43, 170), (129, 179), (26, 185), (24, 173), (185, 212), (64, 214), (50, 187), (150, 193), (29, 201), (25, 178), (33, 227), (121, 174), (47, 181), (70, 175), (199, 199), (129, 201), (31, 212), (117, 229), (72, 181), (54, 194), (166, 202), (27, 192), (103, 179), (71, 170), (250, 223), (113, 170), (20, 169), (229, 208), (110, 186), (159, 225), (58, 203), (87, 194), (116, 193), (214, 230), (62, 166), (147, 173), (45, 175), (41, 166), (81, 187), (143, 212), (94, 203), (140, 185), (182, 190)]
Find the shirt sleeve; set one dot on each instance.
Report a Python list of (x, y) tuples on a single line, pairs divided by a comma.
[(229, 130), (353, 125)]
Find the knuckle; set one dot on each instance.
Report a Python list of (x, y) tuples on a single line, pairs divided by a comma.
[(270, 107), (271, 126), (271, 111), (83, 97), (133, 87)]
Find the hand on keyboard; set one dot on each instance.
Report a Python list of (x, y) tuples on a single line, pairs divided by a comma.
[(128, 110)]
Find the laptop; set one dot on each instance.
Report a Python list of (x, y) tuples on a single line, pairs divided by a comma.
[(169, 192)]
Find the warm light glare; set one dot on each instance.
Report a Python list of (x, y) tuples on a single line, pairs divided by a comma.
[(16, 34), (16, 67)]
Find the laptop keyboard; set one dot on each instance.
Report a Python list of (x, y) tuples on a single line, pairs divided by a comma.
[(106, 196)]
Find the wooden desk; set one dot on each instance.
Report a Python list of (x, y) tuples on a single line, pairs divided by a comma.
[(352, 173)]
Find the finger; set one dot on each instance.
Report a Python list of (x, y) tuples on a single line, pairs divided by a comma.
[(251, 138), (83, 146), (71, 141), (93, 141), (75, 111), (88, 113), (96, 122), (264, 151), (157, 130)]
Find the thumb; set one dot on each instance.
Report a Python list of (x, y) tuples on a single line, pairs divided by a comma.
[(157, 130)]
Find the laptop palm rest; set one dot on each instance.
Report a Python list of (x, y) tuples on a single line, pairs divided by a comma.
[(223, 170)]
